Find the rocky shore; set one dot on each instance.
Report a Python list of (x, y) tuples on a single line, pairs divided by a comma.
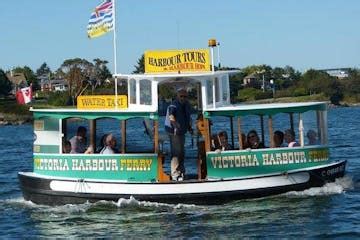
[(12, 119)]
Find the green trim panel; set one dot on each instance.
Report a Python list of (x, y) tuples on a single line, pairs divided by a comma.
[(127, 167), (265, 111), (230, 164), (46, 149), (96, 115), (46, 124)]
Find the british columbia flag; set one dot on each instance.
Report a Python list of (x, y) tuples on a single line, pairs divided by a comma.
[(101, 20)]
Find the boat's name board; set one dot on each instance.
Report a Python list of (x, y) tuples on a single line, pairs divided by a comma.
[(267, 159), (102, 102), (57, 164), (196, 60)]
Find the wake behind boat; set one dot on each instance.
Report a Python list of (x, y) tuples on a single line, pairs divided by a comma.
[(223, 174)]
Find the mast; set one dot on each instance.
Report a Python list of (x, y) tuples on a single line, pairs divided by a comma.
[(115, 53)]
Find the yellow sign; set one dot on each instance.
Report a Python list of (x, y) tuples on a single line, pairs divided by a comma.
[(197, 60), (101, 102)]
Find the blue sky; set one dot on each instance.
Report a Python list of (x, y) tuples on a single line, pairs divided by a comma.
[(300, 33)]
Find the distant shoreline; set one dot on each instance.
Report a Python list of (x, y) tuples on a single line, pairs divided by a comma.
[(7, 118)]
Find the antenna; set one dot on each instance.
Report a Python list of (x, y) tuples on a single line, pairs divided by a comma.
[(178, 33)]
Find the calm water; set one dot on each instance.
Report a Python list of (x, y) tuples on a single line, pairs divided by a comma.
[(331, 211)]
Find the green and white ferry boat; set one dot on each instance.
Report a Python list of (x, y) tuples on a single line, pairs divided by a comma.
[(221, 176)]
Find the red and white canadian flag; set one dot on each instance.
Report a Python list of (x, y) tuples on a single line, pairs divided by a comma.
[(24, 95)]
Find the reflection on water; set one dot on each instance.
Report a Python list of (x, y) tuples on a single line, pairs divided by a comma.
[(129, 217), (328, 212)]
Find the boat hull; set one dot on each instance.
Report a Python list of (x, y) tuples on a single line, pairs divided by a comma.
[(57, 191)]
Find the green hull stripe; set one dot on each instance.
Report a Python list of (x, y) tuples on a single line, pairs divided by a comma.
[(251, 162), (136, 167)]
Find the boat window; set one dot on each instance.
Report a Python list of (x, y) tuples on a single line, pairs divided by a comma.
[(76, 134), (209, 92), (132, 91), (308, 128), (280, 123), (139, 135), (145, 92), (217, 90), (322, 126), (221, 136), (311, 132), (104, 127), (225, 87)]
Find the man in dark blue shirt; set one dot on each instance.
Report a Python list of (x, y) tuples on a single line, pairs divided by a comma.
[(177, 123)]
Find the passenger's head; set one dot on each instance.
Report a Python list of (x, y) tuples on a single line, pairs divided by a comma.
[(223, 138), (182, 95), (215, 142), (253, 139), (103, 140), (110, 141), (278, 138), (311, 134), (289, 135), (81, 131), (66, 146)]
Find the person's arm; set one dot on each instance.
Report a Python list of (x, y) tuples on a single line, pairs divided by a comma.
[(73, 145), (172, 113)]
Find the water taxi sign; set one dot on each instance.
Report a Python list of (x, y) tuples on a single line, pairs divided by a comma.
[(101, 102), (167, 61)]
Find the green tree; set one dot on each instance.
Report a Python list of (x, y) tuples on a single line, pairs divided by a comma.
[(140, 66), (29, 75), (166, 91), (236, 82), (101, 71), (334, 92), (77, 72), (44, 69), (352, 82), (5, 84), (315, 81)]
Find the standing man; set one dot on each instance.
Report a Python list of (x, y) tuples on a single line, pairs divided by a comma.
[(177, 123)]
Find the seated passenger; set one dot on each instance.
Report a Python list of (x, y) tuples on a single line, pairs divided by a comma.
[(311, 134), (223, 141), (78, 142), (214, 142), (278, 139), (289, 137), (253, 140), (101, 143), (66, 146), (110, 144)]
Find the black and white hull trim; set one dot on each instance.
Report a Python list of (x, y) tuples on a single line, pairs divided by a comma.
[(56, 191)]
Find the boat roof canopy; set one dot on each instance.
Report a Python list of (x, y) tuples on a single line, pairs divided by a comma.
[(265, 109), (174, 77), (92, 114)]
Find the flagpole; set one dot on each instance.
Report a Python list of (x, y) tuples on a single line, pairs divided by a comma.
[(115, 51)]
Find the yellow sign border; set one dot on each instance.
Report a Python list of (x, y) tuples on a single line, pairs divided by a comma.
[(168, 61), (101, 102)]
